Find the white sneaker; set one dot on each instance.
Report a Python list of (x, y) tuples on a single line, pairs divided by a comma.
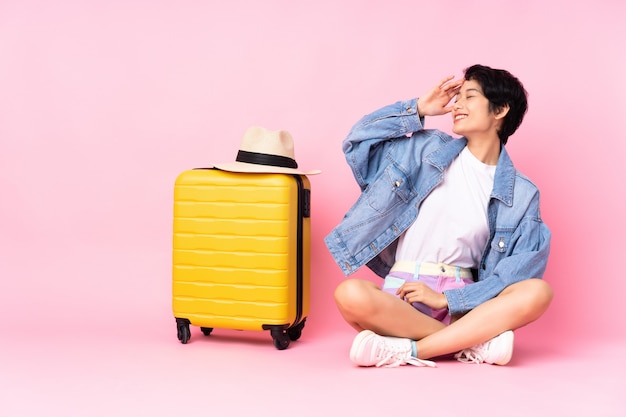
[(497, 351), (370, 349)]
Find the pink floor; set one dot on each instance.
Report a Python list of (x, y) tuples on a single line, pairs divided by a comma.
[(141, 369), (90, 356)]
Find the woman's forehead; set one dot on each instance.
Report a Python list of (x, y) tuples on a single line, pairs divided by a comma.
[(470, 85)]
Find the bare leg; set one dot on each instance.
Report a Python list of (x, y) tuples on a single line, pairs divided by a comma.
[(515, 307), (366, 307)]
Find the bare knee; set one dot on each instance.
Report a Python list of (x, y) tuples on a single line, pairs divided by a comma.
[(352, 296), (540, 294), (534, 296)]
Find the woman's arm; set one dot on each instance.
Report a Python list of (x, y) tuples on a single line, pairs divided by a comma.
[(366, 141), (528, 259)]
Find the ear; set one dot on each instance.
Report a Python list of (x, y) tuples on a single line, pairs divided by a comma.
[(502, 111)]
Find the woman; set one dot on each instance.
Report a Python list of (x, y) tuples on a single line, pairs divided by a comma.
[(449, 223)]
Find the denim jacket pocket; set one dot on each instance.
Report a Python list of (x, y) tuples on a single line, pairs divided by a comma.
[(389, 190)]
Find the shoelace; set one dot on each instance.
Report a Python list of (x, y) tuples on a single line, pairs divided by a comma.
[(470, 355), (395, 358), (392, 361), (421, 362)]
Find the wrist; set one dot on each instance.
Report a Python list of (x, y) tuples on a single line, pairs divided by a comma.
[(420, 110), (444, 301)]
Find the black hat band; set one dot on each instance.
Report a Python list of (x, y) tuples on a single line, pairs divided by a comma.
[(266, 159)]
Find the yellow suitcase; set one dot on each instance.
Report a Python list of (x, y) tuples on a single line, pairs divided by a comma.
[(241, 253)]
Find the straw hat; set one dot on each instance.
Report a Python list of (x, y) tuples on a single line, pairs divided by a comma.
[(265, 151)]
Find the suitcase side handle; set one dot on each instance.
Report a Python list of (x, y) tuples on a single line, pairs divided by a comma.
[(306, 203)]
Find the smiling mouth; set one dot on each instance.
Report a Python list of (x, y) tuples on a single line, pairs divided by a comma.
[(460, 116)]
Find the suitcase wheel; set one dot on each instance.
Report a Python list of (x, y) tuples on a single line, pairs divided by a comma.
[(182, 330), (294, 333), (280, 337), (206, 330)]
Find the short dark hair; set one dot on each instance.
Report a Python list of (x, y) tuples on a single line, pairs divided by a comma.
[(501, 89)]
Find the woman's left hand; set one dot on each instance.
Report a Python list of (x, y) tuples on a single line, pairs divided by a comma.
[(418, 292)]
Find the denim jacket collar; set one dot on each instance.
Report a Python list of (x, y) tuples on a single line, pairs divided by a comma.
[(504, 179), (443, 156)]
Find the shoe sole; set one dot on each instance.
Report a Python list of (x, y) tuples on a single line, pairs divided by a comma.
[(356, 344)]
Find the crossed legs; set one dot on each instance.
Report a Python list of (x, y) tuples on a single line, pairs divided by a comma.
[(366, 307)]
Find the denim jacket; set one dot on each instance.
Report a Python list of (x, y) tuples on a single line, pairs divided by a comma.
[(397, 163)]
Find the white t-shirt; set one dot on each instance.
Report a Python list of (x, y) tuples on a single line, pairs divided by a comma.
[(451, 226)]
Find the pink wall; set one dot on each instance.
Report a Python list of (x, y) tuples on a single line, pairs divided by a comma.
[(102, 104)]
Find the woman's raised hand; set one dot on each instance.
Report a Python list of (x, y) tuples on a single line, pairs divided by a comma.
[(436, 101)]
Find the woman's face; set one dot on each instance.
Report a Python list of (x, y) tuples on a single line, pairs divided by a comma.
[(470, 114)]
